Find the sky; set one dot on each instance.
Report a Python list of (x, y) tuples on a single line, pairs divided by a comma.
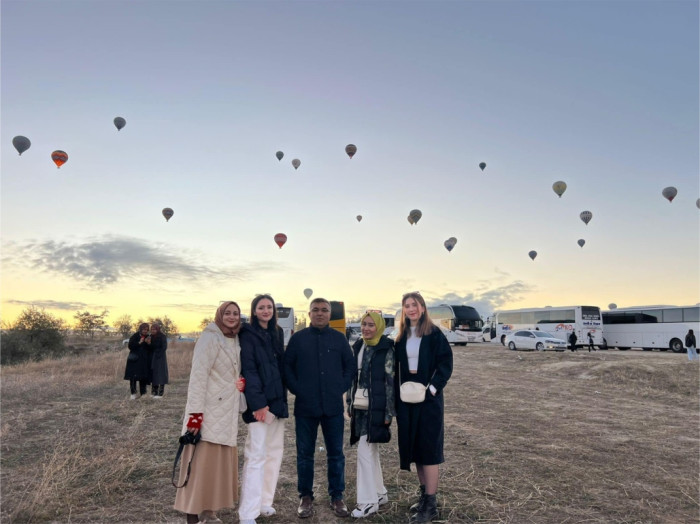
[(600, 94)]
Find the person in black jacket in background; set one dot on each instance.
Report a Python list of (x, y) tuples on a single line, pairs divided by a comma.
[(159, 362), (318, 369), (138, 363), (262, 364), (372, 412)]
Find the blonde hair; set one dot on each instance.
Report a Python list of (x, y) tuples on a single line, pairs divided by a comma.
[(424, 325)]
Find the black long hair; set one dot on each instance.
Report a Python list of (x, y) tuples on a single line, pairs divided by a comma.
[(272, 328)]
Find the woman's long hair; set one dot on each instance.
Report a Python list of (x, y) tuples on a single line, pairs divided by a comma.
[(272, 323), (424, 325)]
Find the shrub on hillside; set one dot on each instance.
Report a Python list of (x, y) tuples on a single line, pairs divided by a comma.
[(35, 335)]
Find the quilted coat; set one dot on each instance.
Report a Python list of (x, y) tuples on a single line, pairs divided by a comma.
[(212, 389)]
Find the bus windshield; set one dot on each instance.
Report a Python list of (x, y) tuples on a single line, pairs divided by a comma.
[(338, 316)]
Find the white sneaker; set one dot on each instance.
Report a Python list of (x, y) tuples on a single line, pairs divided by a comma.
[(158, 396), (248, 521), (267, 511), (133, 397), (364, 510), (383, 498)]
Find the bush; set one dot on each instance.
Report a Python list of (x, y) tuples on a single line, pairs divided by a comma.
[(35, 335)]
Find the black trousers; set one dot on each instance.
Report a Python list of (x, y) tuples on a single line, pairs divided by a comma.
[(158, 389), (143, 386)]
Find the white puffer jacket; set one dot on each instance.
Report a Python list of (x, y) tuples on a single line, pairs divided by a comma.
[(212, 390)]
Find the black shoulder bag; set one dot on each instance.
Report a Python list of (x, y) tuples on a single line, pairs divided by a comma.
[(187, 438)]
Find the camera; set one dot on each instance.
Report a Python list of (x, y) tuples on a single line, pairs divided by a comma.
[(189, 438)]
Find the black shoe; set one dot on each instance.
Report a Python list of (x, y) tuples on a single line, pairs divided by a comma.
[(428, 512), (306, 507), (418, 506)]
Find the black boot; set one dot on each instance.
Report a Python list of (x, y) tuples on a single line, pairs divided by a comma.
[(418, 506), (428, 512)]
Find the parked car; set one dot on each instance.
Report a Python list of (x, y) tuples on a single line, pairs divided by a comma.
[(534, 339)]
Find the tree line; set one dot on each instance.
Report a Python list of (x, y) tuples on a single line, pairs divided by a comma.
[(36, 334)]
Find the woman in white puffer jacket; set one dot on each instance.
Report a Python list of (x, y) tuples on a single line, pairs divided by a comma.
[(213, 400)]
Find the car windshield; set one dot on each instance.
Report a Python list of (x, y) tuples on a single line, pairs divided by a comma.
[(543, 334)]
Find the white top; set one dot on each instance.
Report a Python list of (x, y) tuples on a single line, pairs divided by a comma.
[(412, 347)]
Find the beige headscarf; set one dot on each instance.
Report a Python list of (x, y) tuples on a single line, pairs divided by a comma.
[(219, 319)]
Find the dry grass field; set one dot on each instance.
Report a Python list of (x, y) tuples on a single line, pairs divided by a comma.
[(606, 437)]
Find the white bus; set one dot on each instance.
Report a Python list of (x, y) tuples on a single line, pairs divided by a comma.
[(460, 324), (285, 320), (650, 327), (559, 321)]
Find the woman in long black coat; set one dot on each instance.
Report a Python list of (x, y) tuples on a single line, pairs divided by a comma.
[(422, 355), (138, 363), (159, 362)]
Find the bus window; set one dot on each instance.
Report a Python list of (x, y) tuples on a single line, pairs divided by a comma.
[(672, 315), (338, 316)]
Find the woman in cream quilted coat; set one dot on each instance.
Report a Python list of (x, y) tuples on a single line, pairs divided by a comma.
[(213, 400)]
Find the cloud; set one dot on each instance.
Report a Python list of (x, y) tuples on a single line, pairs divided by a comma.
[(209, 309), (487, 301), (53, 304), (106, 260)]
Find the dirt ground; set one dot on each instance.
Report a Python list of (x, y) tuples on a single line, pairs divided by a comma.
[(608, 437)]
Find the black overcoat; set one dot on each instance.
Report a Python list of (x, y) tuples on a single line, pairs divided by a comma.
[(159, 362), (262, 366), (421, 427), (139, 369)]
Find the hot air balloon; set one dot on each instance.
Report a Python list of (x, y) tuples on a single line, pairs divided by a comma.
[(586, 216), (669, 193), (697, 203), (559, 187), (612, 306), (532, 254), (482, 165), (59, 157), (308, 292), (119, 122), (581, 242), (351, 149), (359, 218), (168, 214), (280, 239), (414, 216), (21, 143), (450, 243), (296, 163), (410, 220), (279, 155)]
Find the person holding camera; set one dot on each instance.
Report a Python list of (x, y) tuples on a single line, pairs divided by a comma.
[(213, 400), (262, 363), (159, 362), (423, 362), (138, 363)]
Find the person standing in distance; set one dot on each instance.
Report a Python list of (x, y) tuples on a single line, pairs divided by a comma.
[(138, 364), (423, 355), (690, 343), (318, 368), (572, 341), (159, 362)]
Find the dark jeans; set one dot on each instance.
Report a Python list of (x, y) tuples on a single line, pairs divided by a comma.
[(306, 432), (158, 390), (143, 386)]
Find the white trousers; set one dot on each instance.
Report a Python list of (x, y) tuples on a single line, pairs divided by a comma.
[(692, 353), (261, 467), (370, 483)]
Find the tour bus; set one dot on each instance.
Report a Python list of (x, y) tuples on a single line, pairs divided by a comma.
[(285, 320), (650, 327), (559, 321), (338, 316), (460, 324)]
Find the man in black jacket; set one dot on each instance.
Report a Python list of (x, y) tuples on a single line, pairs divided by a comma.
[(318, 369)]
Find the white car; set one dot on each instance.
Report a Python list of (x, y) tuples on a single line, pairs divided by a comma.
[(534, 339)]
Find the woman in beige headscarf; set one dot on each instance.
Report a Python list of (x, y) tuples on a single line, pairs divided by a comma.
[(213, 400)]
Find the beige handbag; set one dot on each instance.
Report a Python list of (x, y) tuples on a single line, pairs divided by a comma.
[(411, 392), (361, 398)]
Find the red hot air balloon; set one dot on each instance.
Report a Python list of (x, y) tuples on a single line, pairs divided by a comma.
[(280, 239), (59, 157)]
